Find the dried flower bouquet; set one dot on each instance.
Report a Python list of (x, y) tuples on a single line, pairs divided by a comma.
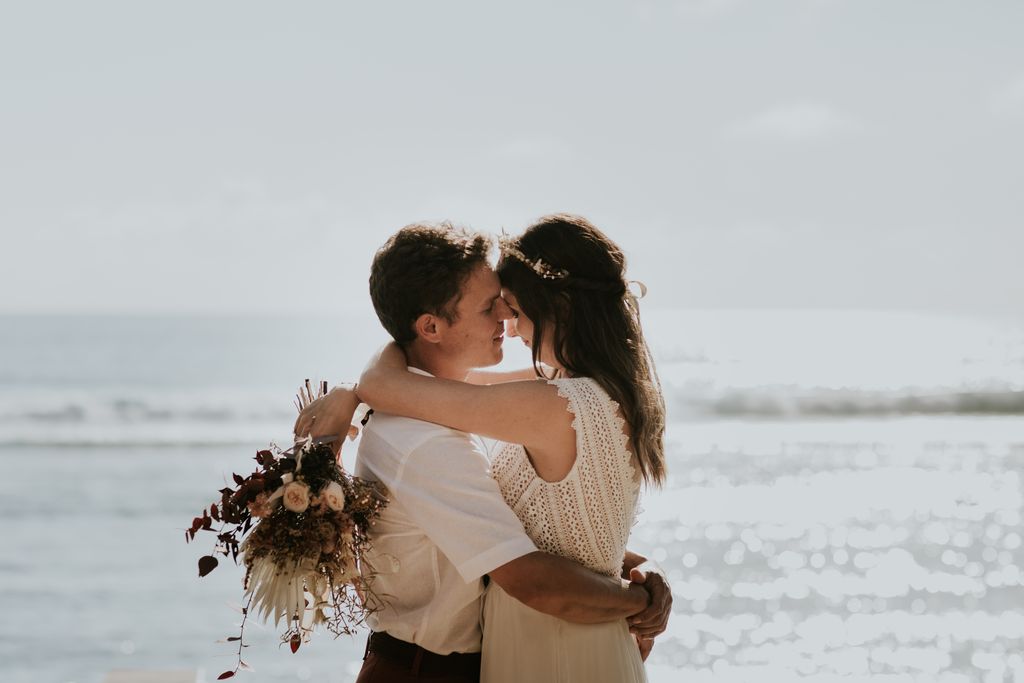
[(300, 524)]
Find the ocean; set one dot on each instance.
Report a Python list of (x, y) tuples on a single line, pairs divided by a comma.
[(844, 497)]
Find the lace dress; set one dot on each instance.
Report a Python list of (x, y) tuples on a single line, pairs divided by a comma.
[(585, 517)]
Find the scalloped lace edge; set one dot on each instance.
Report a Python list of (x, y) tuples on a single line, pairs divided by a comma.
[(633, 488)]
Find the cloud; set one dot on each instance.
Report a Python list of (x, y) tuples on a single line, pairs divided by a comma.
[(795, 122), (1009, 99)]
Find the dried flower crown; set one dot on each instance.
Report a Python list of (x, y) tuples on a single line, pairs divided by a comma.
[(508, 246)]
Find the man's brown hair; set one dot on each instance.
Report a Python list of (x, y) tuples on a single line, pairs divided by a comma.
[(421, 269)]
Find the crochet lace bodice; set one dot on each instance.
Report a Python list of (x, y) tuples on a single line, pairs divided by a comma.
[(587, 515)]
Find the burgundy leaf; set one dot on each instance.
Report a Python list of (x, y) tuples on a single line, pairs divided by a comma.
[(234, 639), (226, 674), (295, 641), (207, 564), (238, 479)]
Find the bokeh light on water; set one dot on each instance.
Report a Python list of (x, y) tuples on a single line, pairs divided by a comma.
[(880, 558)]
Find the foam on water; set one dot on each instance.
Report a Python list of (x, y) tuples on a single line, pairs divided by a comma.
[(109, 381)]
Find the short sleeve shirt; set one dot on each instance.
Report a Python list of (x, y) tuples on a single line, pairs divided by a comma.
[(446, 525)]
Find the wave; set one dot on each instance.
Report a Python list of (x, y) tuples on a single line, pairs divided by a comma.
[(134, 410), (228, 418), (135, 421), (778, 403), (119, 442)]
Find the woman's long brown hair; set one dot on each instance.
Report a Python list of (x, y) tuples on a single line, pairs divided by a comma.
[(594, 322)]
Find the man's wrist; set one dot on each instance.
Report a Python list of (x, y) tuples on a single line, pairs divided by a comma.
[(640, 597)]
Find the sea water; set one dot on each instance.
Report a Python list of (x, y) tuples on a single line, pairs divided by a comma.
[(844, 497)]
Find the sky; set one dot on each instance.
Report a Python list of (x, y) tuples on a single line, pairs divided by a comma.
[(249, 157)]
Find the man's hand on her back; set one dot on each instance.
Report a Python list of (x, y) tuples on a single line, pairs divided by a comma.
[(645, 645), (653, 620)]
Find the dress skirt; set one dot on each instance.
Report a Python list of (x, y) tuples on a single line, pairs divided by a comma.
[(523, 645)]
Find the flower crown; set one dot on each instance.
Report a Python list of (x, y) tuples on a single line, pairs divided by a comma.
[(508, 246)]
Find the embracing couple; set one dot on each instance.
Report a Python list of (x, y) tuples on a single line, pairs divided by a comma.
[(513, 568)]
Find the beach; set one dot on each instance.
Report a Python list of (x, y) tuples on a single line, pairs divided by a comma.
[(823, 520)]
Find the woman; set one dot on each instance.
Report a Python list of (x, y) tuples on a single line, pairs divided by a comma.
[(579, 437)]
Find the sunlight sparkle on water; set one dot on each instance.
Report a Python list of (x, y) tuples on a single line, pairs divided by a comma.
[(825, 564)]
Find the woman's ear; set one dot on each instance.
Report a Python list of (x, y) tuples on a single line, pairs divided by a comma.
[(429, 327)]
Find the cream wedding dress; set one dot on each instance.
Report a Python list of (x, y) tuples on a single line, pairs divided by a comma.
[(585, 517)]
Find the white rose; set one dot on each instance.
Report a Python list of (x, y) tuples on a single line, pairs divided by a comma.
[(334, 496), (296, 496)]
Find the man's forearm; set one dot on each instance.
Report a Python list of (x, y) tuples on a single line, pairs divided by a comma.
[(567, 590)]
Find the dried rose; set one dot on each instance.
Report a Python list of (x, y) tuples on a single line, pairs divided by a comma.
[(260, 506), (334, 496), (296, 496)]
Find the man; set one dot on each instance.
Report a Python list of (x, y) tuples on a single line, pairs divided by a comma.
[(447, 526)]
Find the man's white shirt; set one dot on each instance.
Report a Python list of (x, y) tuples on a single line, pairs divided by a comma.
[(445, 526)]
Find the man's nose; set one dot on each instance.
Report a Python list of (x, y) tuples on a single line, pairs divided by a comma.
[(502, 310)]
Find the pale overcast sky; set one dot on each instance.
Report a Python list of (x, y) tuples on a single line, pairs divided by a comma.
[(250, 156)]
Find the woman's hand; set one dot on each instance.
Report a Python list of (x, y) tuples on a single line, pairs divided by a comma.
[(330, 415)]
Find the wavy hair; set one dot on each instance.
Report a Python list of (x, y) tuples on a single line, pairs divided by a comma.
[(420, 269), (594, 322)]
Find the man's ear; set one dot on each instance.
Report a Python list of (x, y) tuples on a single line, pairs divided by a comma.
[(429, 327)]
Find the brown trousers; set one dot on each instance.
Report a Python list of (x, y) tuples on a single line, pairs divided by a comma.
[(389, 660)]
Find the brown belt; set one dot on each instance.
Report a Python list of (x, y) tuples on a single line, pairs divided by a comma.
[(422, 661)]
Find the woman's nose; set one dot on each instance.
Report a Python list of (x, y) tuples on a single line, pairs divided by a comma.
[(510, 328)]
